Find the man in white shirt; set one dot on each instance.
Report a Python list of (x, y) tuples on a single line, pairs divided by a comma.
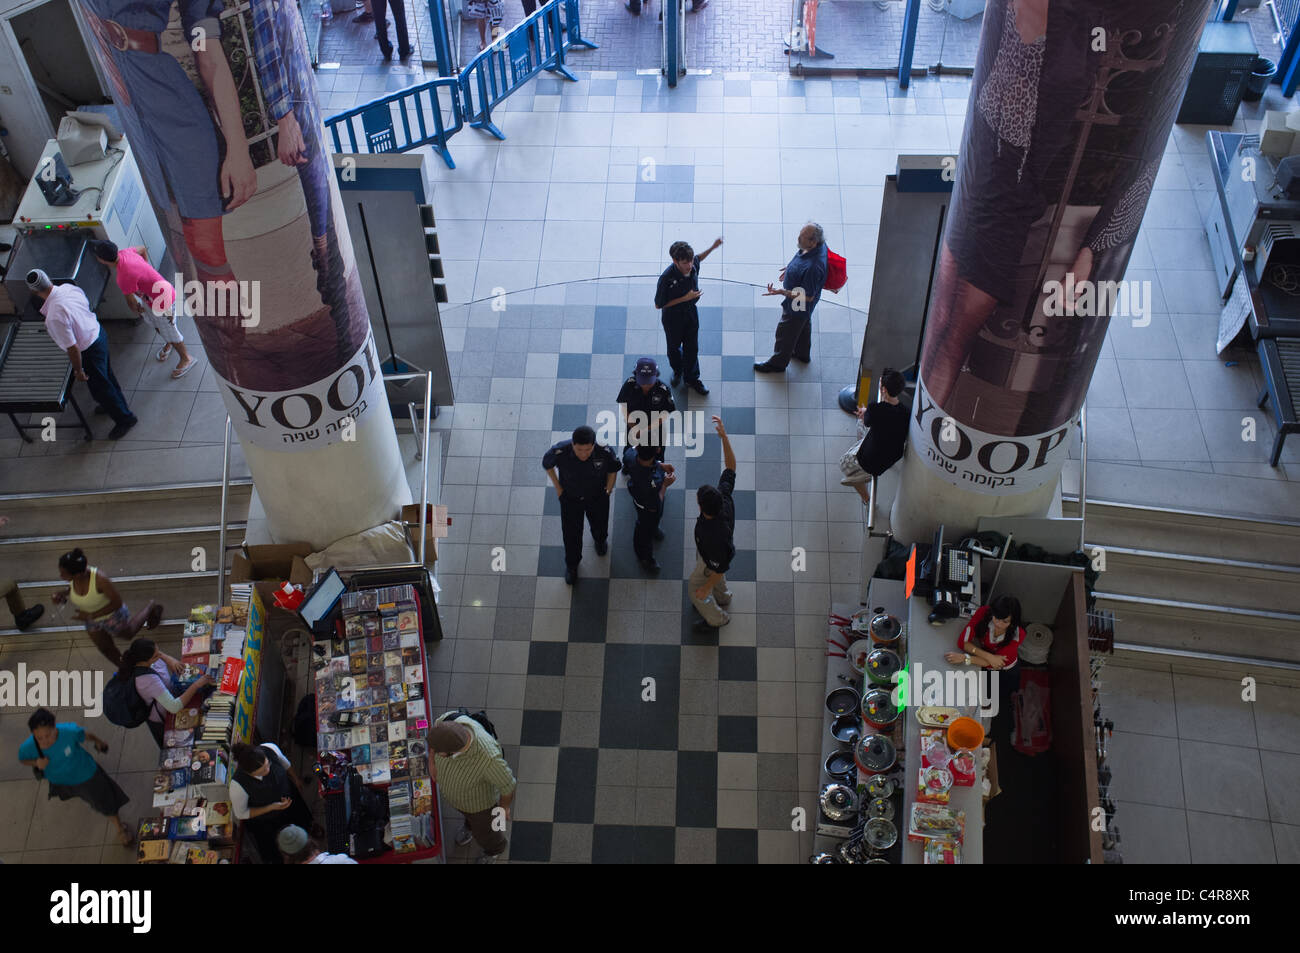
[(298, 848), (74, 327)]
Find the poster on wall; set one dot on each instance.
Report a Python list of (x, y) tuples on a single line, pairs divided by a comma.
[(218, 101), (1071, 106)]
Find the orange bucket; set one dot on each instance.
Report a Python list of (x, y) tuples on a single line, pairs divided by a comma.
[(965, 733)]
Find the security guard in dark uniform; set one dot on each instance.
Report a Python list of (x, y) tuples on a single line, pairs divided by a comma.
[(645, 396), (647, 481), (583, 473)]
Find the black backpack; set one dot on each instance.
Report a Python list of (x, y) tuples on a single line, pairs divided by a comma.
[(123, 705), (479, 716)]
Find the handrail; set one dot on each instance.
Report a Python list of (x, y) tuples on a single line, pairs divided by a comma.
[(428, 426), (538, 43), (225, 495), (1083, 470)]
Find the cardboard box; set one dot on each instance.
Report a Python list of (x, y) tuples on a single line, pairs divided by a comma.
[(270, 565), (1276, 137), (436, 522), (992, 773)]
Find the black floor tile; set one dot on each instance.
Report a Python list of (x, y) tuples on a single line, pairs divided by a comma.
[(589, 609), (746, 503), (550, 561), (664, 662), (616, 844), (530, 840), (575, 786), (547, 658), (738, 420), (735, 733), (697, 789), (737, 846), (568, 417), (620, 703), (608, 340), (656, 845), (737, 663), (743, 568), (542, 729), (574, 366)]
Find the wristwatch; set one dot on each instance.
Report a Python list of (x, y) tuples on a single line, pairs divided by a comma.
[(967, 658)]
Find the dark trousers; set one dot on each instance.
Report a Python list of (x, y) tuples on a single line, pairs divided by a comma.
[(683, 336), (595, 507), (532, 6), (156, 729), (265, 828), (793, 338), (643, 534), (380, 10), (103, 384), (492, 841)]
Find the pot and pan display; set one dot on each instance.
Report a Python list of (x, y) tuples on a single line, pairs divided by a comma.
[(839, 802), (879, 710), (875, 754), (846, 729), (841, 767), (882, 666), (843, 701), (885, 629)]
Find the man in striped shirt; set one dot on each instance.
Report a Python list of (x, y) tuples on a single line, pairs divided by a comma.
[(474, 778)]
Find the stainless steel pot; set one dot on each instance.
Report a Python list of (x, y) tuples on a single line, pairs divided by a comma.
[(839, 802)]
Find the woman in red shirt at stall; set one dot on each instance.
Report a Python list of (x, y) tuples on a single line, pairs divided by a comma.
[(992, 637)]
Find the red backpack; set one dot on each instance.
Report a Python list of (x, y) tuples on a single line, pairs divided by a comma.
[(837, 271)]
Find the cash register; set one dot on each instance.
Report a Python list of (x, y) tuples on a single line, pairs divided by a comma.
[(952, 575)]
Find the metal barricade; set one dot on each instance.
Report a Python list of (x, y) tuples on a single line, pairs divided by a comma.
[(401, 121)]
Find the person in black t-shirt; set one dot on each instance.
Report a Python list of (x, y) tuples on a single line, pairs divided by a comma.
[(646, 394), (647, 482), (675, 296), (714, 545), (887, 423), (583, 473)]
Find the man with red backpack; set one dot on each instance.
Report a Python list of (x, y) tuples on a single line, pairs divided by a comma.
[(802, 281)]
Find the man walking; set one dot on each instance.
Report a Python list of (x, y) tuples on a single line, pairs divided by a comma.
[(474, 778), (801, 289), (583, 473), (647, 482), (55, 749), (74, 327), (675, 296), (714, 547), (645, 399), (149, 295)]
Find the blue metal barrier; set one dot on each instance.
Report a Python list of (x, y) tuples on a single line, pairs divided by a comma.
[(538, 43), (421, 104)]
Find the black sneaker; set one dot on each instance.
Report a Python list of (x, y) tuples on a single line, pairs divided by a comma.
[(24, 619), (602, 547), (699, 388), (118, 432), (649, 565), (677, 378), (768, 368), (571, 575), (803, 360)]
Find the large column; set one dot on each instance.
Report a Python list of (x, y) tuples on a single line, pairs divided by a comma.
[(221, 114), (1070, 110)]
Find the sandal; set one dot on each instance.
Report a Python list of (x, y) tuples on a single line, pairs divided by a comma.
[(183, 369), (165, 350), (154, 617)]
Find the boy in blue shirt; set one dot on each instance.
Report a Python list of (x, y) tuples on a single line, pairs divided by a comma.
[(56, 750)]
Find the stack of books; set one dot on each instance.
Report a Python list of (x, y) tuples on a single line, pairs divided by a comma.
[(241, 597)]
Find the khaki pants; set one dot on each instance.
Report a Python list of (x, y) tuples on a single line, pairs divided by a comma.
[(480, 825), (710, 608), (9, 592)]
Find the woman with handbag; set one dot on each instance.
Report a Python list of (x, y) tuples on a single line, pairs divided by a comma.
[(266, 794), (54, 752), (484, 12), (881, 447)]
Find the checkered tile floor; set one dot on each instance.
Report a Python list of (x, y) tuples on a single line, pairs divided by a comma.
[(710, 761)]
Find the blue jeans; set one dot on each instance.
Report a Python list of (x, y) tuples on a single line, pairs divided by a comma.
[(103, 385)]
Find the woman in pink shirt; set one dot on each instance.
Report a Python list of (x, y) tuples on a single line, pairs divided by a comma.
[(153, 672), (149, 295)]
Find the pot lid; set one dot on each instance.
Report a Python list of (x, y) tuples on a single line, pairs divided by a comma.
[(885, 627), (883, 663), (878, 705), (876, 752), (881, 834), (838, 801), (880, 787)]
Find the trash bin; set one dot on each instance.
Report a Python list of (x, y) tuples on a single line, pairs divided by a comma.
[(1260, 76)]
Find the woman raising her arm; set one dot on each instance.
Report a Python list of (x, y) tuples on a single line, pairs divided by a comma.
[(99, 605)]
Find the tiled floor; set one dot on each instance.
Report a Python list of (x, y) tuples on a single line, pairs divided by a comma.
[(572, 216), (1200, 775)]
